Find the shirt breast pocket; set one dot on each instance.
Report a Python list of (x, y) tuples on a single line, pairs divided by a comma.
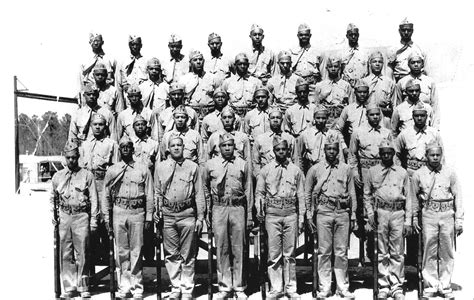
[(81, 192)]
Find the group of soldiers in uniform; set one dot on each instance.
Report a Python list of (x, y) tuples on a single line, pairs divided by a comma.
[(337, 143)]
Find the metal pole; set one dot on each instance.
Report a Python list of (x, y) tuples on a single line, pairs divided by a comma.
[(17, 144)]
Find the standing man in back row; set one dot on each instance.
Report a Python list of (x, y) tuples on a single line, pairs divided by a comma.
[(305, 57), (354, 60), (261, 59)]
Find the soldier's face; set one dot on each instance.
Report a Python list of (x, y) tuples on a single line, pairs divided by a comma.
[(135, 47), (97, 43), (220, 100), (228, 120), (197, 63), (140, 128), (262, 99), (227, 149), (100, 76), (242, 66), (362, 94), (281, 151), (304, 36), (353, 36), (175, 48), (420, 117), (373, 117), (413, 92), (320, 120), (406, 32), (434, 157), (386, 155), (302, 92), (154, 71), (285, 65), (333, 69), (376, 65), (134, 98), (126, 150), (275, 121), (98, 127), (257, 36), (180, 120), (72, 159), (416, 65), (215, 45), (331, 151), (176, 148), (91, 98), (176, 97)]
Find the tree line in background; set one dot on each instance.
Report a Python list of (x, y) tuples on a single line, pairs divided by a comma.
[(45, 135)]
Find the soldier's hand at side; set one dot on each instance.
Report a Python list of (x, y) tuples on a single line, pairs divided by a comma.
[(358, 183), (249, 224), (54, 221), (407, 230), (156, 217), (416, 226), (147, 225), (208, 221), (198, 227), (354, 226), (300, 227), (458, 227), (371, 220), (261, 217)]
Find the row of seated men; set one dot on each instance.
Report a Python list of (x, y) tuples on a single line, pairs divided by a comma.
[(253, 101)]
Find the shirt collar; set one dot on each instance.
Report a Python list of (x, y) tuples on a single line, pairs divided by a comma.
[(334, 165), (100, 54), (323, 132), (377, 128), (136, 57), (272, 133), (258, 50), (420, 130), (434, 170), (281, 165), (409, 44), (181, 56), (245, 77), (305, 105), (230, 160)]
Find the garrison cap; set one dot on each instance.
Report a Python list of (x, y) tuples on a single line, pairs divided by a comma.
[(139, 118), (351, 27), (93, 36), (386, 143), (219, 90), (307, 73), (412, 82), (175, 86), (90, 88), (320, 109), (284, 54), (99, 67), (241, 56), (134, 89), (334, 59), (301, 81), (98, 117), (332, 138), (134, 37), (433, 145), (420, 106), (213, 36), (255, 27), (372, 106), (227, 110), (414, 55), (275, 109), (405, 21), (174, 38), (153, 62), (375, 54), (304, 27), (277, 140), (70, 147), (225, 137), (180, 110), (194, 54), (125, 140), (261, 87), (360, 83)]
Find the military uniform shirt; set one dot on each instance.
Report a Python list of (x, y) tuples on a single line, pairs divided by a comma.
[(298, 117), (240, 89), (307, 58), (389, 185), (132, 71), (284, 89), (145, 151), (179, 181), (108, 97), (413, 141), (256, 122), (173, 69), (166, 120), (125, 121), (88, 63), (98, 155), (355, 62), (241, 140), (219, 67), (381, 89), (212, 122), (402, 116), (83, 116), (199, 90), (261, 62), (400, 60), (353, 115), (329, 92), (154, 95)]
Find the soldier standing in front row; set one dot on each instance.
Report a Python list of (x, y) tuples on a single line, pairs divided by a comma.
[(279, 200), (74, 194), (438, 194), (387, 191), (129, 188), (227, 181), (180, 203), (330, 197)]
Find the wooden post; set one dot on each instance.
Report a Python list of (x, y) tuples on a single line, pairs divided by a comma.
[(17, 144)]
